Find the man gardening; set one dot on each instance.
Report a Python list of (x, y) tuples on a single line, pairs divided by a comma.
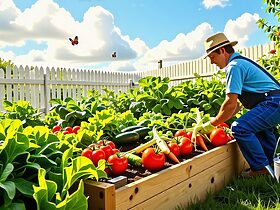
[(259, 92)]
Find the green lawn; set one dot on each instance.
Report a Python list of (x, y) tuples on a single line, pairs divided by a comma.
[(243, 193)]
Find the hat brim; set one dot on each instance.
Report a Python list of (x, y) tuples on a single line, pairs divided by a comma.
[(231, 43)]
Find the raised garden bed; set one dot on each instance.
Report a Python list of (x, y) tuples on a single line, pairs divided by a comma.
[(178, 184)]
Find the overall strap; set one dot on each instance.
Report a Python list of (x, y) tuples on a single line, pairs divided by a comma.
[(259, 66)]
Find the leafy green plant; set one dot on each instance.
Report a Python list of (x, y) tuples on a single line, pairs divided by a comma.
[(23, 111), (4, 64), (26, 154), (107, 123)]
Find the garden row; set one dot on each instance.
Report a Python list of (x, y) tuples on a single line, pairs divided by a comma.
[(134, 134)]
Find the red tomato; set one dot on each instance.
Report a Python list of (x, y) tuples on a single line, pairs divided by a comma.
[(69, 129), (151, 160), (118, 164), (75, 129), (65, 132), (115, 150), (189, 135), (56, 128), (87, 152), (174, 148), (56, 132), (97, 155), (180, 133), (108, 151), (218, 137), (107, 142), (223, 125), (186, 146)]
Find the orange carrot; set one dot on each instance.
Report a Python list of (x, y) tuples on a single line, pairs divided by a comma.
[(173, 157), (200, 142)]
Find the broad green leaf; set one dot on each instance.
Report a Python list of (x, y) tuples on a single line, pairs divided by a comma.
[(56, 101), (178, 104), (13, 206), (157, 108), (81, 167), (42, 160), (14, 146), (7, 105), (68, 154), (76, 201), (24, 186), (166, 109), (41, 192), (7, 171), (9, 187)]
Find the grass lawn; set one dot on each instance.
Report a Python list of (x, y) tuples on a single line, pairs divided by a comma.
[(243, 193)]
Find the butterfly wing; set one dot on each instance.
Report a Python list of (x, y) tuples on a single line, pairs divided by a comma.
[(72, 41), (76, 40)]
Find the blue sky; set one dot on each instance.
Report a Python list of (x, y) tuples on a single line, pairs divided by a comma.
[(140, 31)]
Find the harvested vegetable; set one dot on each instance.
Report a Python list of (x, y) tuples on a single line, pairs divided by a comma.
[(163, 146)]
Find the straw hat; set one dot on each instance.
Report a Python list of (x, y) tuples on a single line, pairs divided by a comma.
[(216, 41)]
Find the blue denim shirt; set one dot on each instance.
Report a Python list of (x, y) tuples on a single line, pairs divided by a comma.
[(242, 75)]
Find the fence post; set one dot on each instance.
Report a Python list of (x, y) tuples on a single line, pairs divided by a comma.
[(131, 83), (45, 91)]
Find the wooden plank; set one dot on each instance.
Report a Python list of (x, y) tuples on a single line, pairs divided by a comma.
[(171, 176), (101, 195), (8, 86), (193, 189)]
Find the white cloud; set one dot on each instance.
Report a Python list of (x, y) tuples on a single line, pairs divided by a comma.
[(46, 21), (98, 35), (241, 28), (182, 47), (208, 4)]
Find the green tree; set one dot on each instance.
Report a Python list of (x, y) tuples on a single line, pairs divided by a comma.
[(272, 7)]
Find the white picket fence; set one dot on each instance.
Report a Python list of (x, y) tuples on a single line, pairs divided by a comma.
[(186, 70), (39, 85)]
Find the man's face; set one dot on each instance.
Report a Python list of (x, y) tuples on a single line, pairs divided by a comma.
[(218, 59)]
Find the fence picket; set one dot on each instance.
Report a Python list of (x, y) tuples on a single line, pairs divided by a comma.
[(2, 88)]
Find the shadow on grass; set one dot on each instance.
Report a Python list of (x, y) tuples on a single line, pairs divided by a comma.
[(242, 194)]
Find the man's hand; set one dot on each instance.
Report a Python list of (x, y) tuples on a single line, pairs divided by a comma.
[(206, 128)]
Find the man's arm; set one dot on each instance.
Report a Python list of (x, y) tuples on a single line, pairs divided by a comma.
[(228, 109)]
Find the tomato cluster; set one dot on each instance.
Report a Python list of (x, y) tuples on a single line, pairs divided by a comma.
[(219, 136), (105, 149), (66, 130)]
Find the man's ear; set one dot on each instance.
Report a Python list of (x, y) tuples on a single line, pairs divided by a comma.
[(222, 50)]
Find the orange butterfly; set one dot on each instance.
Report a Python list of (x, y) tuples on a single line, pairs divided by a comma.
[(75, 41), (114, 54)]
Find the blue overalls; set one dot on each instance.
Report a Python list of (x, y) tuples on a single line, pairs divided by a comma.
[(254, 131)]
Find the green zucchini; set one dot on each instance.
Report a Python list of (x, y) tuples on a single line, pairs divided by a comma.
[(131, 128), (144, 123), (129, 137), (134, 160), (143, 132)]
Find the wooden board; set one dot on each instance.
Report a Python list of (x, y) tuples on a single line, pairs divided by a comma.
[(193, 189), (143, 189), (210, 171)]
